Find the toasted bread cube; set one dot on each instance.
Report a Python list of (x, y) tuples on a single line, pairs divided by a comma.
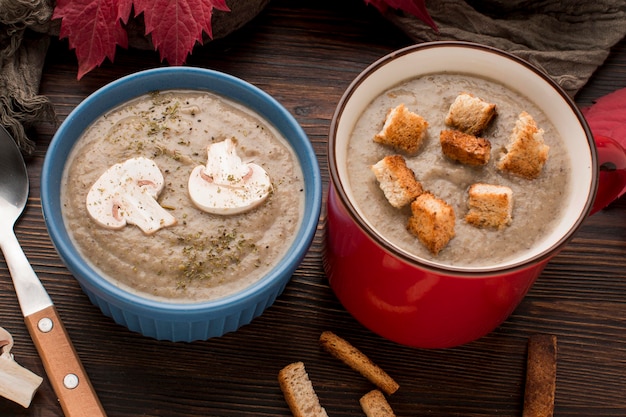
[(526, 153), (432, 222), (397, 181), (489, 205), (465, 148), (403, 130), (374, 404), (470, 114), (299, 392)]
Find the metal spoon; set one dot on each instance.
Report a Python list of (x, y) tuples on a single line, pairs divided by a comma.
[(63, 367)]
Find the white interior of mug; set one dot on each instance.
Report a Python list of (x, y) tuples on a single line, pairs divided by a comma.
[(487, 63)]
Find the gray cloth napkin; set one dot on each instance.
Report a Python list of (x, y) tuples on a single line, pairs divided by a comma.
[(22, 55), (567, 39)]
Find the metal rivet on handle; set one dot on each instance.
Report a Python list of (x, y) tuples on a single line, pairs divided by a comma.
[(45, 325), (70, 381)]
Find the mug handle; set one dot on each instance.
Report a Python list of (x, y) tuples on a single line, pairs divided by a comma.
[(612, 178)]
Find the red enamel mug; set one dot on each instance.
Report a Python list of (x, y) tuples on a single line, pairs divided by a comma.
[(422, 303)]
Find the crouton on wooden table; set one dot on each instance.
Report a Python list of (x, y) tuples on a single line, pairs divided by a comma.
[(298, 391), (374, 404), (357, 360)]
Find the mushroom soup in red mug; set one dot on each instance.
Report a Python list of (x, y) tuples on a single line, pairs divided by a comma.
[(182, 196), (536, 203), (407, 294)]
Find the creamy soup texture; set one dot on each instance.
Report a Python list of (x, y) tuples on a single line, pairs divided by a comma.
[(537, 203), (203, 256)]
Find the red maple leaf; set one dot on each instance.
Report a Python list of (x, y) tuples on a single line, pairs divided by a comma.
[(124, 8), (415, 7), (608, 116), (94, 27), (176, 25)]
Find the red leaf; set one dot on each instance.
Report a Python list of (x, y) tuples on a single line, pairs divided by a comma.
[(93, 28), (124, 7), (176, 25), (415, 7), (607, 117)]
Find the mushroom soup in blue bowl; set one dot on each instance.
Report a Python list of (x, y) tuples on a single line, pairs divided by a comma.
[(182, 200)]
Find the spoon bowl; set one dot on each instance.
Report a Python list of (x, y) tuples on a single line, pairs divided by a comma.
[(14, 185)]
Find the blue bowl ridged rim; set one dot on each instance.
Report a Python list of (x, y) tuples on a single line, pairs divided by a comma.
[(129, 87)]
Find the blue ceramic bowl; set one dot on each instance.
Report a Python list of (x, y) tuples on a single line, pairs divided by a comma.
[(178, 321)]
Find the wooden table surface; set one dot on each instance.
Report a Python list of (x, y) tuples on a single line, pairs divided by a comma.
[(305, 54)]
